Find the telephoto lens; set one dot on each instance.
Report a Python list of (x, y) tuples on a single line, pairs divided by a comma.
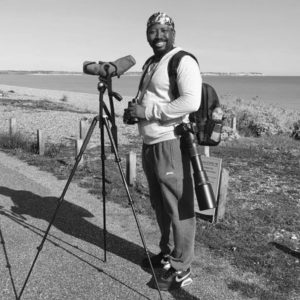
[(203, 189)]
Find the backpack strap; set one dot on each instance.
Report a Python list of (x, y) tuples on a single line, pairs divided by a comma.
[(172, 70), (204, 114)]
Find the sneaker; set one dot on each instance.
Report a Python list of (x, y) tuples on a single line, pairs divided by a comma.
[(173, 279), (158, 261)]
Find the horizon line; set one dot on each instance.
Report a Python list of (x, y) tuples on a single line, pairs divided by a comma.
[(242, 73)]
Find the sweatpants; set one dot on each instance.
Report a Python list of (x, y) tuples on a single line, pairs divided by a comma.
[(168, 172)]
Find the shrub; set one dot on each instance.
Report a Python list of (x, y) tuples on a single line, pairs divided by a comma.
[(64, 98), (27, 144), (18, 141), (52, 150), (257, 119)]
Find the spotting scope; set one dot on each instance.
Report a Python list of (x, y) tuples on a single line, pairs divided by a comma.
[(105, 69)]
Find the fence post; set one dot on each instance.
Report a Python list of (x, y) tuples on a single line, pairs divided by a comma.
[(78, 145), (206, 151), (83, 128), (131, 168), (12, 126), (221, 208), (233, 123), (40, 142)]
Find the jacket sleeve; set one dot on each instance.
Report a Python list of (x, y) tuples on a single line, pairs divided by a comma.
[(189, 84)]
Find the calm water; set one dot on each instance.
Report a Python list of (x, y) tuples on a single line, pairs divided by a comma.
[(276, 90)]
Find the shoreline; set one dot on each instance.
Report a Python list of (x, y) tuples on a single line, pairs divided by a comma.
[(268, 118), (283, 92), (84, 101)]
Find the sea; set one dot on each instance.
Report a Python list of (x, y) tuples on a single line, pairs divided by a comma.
[(280, 91)]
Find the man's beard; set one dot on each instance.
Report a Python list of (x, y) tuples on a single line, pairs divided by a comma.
[(162, 46)]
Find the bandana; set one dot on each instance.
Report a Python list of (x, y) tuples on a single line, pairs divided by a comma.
[(160, 18)]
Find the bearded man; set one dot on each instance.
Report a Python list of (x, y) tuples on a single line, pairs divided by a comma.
[(165, 161)]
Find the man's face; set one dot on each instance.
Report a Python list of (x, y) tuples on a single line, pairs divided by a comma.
[(161, 38)]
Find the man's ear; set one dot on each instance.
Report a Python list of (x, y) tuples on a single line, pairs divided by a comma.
[(174, 35)]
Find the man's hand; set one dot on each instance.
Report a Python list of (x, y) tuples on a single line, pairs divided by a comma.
[(136, 110)]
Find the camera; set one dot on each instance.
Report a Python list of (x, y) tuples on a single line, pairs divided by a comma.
[(127, 118)]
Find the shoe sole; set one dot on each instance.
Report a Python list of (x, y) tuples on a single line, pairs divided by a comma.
[(186, 282)]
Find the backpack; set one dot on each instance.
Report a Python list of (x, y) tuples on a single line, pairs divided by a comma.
[(207, 121)]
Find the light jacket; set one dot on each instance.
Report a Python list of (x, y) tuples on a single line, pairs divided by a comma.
[(163, 112)]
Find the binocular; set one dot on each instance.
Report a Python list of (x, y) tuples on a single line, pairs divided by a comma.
[(127, 119)]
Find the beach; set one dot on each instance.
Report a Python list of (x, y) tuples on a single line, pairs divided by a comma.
[(57, 126)]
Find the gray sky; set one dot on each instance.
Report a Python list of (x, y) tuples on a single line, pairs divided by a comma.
[(225, 35)]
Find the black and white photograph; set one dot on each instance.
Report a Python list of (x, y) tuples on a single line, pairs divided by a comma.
[(149, 150)]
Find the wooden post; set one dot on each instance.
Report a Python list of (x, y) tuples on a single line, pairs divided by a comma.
[(206, 151), (131, 168), (221, 208), (12, 126), (40, 142), (233, 123), (78, 146), (83, 128)]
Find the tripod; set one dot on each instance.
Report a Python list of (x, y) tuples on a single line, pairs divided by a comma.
[(104, 118)]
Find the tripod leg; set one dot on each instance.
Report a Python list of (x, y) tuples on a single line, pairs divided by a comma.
[(61, 199), (118, 160), (103, 158)]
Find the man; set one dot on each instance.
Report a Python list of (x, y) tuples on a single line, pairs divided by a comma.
[(165, 161)]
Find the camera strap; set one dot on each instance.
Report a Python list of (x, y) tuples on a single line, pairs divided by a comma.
[(142, 87)]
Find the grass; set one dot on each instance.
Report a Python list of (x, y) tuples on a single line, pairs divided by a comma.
[(261, 229), (17, 141)]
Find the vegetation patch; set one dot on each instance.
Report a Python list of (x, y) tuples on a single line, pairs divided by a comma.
[(254, 118), (17, 141)]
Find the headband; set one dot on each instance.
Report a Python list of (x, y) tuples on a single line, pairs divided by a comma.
[(160, 18)]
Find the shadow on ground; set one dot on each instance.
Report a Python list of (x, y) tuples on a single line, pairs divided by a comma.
[(286, 249), (71, 219)]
